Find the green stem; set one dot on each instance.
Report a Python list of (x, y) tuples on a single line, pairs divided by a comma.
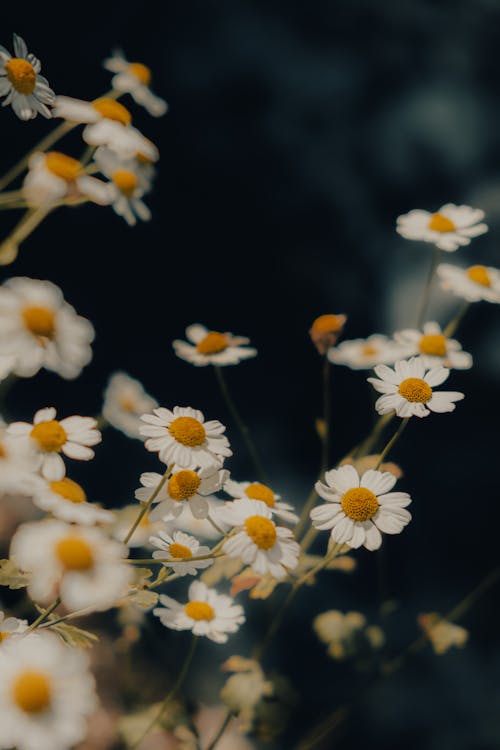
[(428, 286), (43, 616), (222, 729), (455, 322), (392, 441), (147, 505)]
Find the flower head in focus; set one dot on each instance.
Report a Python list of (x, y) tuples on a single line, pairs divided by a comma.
[(325, 331), (134, 78), (206, 347), (54, 176), (449, 228), (474, 284), (442, 634), (176, 551), (22, 85), (259, 491), (124, 401), (433, 347), (363, 354), (186, 487)]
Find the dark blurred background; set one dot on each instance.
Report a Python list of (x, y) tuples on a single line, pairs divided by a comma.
[(297, 133)]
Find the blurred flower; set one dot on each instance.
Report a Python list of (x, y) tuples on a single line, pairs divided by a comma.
[(175, 552), (212, 348), (134, 79), (7, 364), (441, 633), (199, 527), (125, 517), (42, 330), (369, 462), (358, 509), (53, 177), (258, 491), (408, 389), (67, 500), (125, 400), (245, 689), (346, 635), (208, 721), (363, 354), (185, 487), (206, 613), (473, 284), (449, 228), (127, 187), (325, 331), (433, 347), (21, 83), (9, 626)]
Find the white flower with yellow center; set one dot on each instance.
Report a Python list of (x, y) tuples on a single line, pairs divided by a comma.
[(212, 348), (125, 400), (67, 500), (125, 517), (358, 509), (474, 284), (433, 347), (206, 613), (258, 542), (184, 487), (10, 626), (51, 437), (134, 78), (449, 228), (46, 693), (182, 437), (128, 184), (78, 563), (54, 176), (363, 354), (25, 89), (259, 491), (409, 389), (40, 329), (176, 551), (108, 123)]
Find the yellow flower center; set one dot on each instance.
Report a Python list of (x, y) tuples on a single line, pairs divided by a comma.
[(141, 72), (69, 490), (125, 181), (112, 110), (213, 343), (127, 403), (261, 531), (433, 344), (440, 223), (63, 166), (75, 553), (3, 452), (3, 636), (258, 491), (479, 274), (199, 611), (40, 321), (368, 350), (21, 74), (50, 436), (184, 484), (188, 431), (328, 323), (179, 550), (31, 691), (145, 522), (415, 390), (359, 503)]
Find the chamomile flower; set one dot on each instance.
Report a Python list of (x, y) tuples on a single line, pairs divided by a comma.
[(258, 542), (135, 79), (22, 85), (449, 228), (18, 467), (442, 633), (363, 354), (125, 517), (325, 331), (358, 509), (433, 347), (124, 401), (10, 626), (128, 184), (184, 487), (46, 693), (199, 527), (206, 613), (341, 632), (212, 348), (40, 329), (176, 551), (182, 437), (474, 284), (258, 491), (79, 563), (409, 389), (53, 177), (108, 123), (67, 500), (72, 436)]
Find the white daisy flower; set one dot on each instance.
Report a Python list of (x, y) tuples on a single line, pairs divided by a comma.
[(206, 613), (198, 527), (125, 400), (108, 123), (25, 89), (212, 348), (185, 487), (258, 491), (358, 509), (182, 437), (128, 184), (409, 389), (448, 228), (78, 563), (19, 464), (46, 693), (125, 517), (10, 626), (67, 500), (363, 354), (134, 79), (71, 436), (175, 552), (42, 330), (433, 347), (474, 284), (53, 177), (258, 542)]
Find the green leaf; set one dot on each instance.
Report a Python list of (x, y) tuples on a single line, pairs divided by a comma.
[(11, 576), (75, 636)]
